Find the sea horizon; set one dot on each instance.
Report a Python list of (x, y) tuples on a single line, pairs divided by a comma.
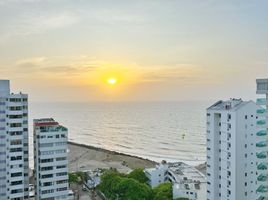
[(158, 130)]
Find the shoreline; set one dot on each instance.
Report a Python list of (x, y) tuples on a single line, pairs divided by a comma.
[(84, 157), (108, 151)]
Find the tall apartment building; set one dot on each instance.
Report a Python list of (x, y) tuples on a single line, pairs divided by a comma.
[(231, 150), (262, 141), (14, 164), (50, 160)]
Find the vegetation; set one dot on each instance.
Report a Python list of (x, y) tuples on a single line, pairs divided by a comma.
[(182, 199), (76, 177), (131, 189), (139, 176), (163, 192), (116, 186)]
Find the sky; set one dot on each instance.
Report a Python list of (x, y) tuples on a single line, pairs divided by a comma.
[(157, 50)]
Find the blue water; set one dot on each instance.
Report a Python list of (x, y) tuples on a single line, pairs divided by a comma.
[(173, 131)]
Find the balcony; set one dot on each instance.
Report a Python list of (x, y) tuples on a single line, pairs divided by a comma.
[(261, 111), (262, 166), (262, 178), (261, 122), (261, 101), (261, 144), (262, 198), (262, 189), (62, 128), (261, 155), (262, 133)]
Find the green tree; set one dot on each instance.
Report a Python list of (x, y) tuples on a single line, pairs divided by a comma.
[(109, 184), (163, 192), (116, 186), (76, 177), (73, 178), (138, 175), (130, 189)]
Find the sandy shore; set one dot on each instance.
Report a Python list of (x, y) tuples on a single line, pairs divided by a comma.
[(84, 157)]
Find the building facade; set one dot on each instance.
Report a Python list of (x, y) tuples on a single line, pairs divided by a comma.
[(187, 182), (262, 141), (50, 160), (14, 153), (231, 150)]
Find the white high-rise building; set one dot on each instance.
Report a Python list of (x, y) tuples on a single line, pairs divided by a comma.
[(231, 150), (14, 164), (262, 140), (50, 160)]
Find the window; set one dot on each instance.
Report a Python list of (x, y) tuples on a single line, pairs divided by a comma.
[(61, 158), (47, 160), (47, 176)]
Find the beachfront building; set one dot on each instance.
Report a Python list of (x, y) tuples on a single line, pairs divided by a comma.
[(262, 142), (187, 182), (14, 164), (50, 160), (231, 150)]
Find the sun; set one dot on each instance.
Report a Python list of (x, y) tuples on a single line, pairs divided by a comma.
[(112, 81)]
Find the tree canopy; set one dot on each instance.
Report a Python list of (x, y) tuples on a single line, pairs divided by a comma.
[(116, 186), (139, 175), (163, 192), (76, 177)]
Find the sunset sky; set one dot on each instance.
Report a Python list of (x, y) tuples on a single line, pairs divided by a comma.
[(150, 50)]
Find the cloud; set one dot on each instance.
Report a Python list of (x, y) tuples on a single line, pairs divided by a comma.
[(90, 71), (186, 73), (49, 66), (30, 62), (31, 24), (24, 20)]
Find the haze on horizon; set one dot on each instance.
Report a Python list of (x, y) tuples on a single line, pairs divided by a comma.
[(153, 50)]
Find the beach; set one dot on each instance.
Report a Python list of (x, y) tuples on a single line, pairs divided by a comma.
[(85, 157)]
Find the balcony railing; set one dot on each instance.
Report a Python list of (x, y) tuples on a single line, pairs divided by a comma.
[(261, 111), (262, 189), (261, 155), (261, 122), (262, 166), (262, 198), (262, 101), (261, 144), (262, 177), (262, 133)]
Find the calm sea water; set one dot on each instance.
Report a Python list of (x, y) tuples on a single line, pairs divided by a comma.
[(173, 131)]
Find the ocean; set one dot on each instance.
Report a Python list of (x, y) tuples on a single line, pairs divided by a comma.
[(171, 131)]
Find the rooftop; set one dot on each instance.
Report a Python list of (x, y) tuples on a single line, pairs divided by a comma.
[(232, 104), (187, 172), (45, 122)]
